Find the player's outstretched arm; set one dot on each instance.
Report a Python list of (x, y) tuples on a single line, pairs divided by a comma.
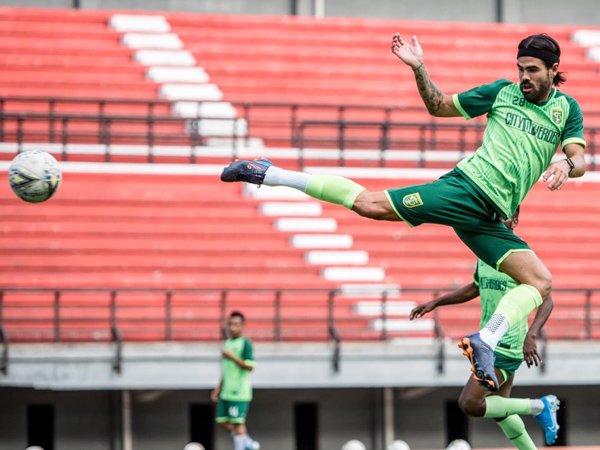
[(438, 104), (530, 352), (560, 171), (462, 295)]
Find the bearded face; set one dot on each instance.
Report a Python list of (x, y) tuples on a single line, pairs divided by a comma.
[(535, 78)]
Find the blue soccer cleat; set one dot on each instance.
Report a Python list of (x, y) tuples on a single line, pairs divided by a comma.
[(482, 361), (547, 418), (248, 171)]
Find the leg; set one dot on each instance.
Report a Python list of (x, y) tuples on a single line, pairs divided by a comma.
[(512, 426), (374, 205), (472, 399), (329, 188), (516, 305), (502, 250), (543, 411), (227, 426), (514, 429), (239, 428), (242, 439), (475, 402), (527, 268)]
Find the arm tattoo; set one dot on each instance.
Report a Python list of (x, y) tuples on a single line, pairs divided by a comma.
[(430, 93)]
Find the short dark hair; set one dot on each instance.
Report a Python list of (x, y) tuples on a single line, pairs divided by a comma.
[(545, 43), (237, 314)]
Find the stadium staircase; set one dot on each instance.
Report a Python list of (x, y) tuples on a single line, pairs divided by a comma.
[(182, 232), (185, 232), (299, 60)]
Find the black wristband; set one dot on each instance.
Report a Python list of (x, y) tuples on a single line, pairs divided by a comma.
[(571, 164)]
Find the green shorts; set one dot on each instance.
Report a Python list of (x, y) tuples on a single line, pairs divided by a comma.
[(455, 201), (229, 411), (507, 365)]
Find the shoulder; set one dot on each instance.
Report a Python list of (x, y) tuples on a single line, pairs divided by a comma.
[(573, 104), (481, 99)]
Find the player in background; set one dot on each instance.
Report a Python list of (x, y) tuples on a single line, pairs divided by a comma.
[(526, 122), (234, 392), (518, 344)]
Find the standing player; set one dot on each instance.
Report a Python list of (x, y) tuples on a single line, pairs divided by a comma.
[(526, 123), (234, 392), (517, 344)]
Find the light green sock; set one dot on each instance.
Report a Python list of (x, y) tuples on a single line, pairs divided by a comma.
[(517, 303), (334, 189), (497, 407), (514, 429)]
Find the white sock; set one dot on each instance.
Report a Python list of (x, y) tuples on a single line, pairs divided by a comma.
[(239, 441), (537, 406), (276, 176), (494, 329)]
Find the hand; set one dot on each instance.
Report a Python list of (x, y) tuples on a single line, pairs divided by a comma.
[(227, 354), (530, 351), (214, 395), (557, 174), (411, 54), (421, 310)]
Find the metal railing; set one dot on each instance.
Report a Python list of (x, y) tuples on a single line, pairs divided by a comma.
[(122, 315), (149, 123)]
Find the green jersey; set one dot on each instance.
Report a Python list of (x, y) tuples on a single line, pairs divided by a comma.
[(235, 380), (520, 139), (492, 287)]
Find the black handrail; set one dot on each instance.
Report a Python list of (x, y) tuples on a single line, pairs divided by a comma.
[(200, 314), (264, 120), (118, 340), (4, 358)]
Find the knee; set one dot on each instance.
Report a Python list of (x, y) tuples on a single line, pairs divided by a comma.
[(543, 283), (364, 205), (227, 426), (474, 407), (373, 205)]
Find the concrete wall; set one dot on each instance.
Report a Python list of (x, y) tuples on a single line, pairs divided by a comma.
[(160, 422), (82, 419), (579, 12)]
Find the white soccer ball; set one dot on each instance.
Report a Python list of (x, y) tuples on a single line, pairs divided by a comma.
[(458, 444), (34, 175), (398, 445), (193, 446), (354, 445)]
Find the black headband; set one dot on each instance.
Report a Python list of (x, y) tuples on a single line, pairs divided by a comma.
[(544, 55)]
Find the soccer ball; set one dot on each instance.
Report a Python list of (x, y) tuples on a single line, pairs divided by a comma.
[(193, 446), (458, 444), (354, 445), (34, 175), (398, 445)]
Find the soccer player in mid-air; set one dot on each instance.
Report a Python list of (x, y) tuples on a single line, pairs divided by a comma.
[(518, 344), (526, 122), (234, 392)]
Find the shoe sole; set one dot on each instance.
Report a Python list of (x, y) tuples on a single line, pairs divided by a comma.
[(480, 376)]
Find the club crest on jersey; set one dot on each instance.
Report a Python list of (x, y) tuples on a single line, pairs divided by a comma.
[(412, 200), (557, 115)]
